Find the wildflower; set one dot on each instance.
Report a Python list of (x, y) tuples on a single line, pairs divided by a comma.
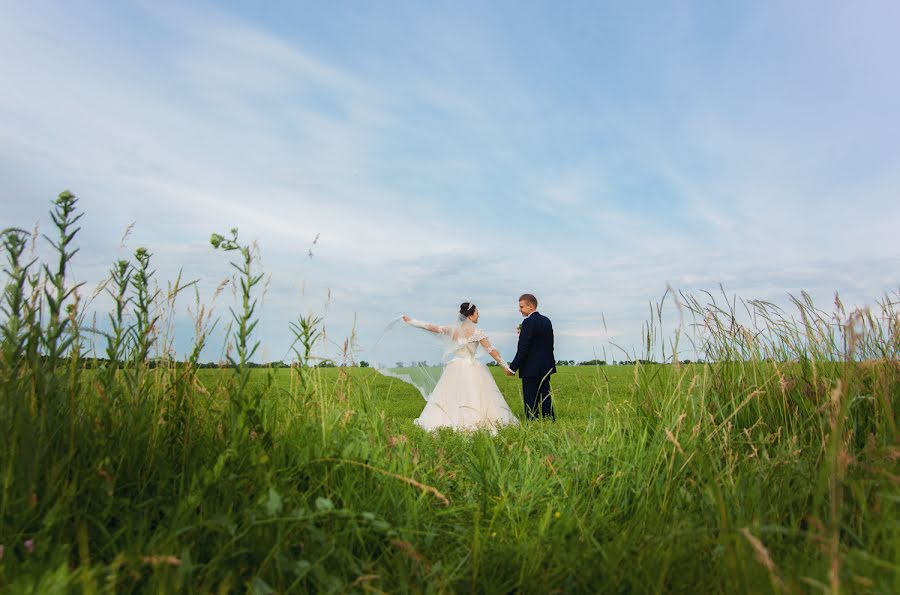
[(29, 545), (557, 514)]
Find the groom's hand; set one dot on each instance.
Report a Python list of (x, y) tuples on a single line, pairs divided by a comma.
[(509, 372)]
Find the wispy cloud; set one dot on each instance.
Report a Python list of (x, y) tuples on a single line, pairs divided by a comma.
[(442, 157)]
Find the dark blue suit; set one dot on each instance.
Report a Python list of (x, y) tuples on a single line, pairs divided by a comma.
[(535, 362)]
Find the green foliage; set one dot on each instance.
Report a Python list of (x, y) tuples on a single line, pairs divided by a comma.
[(18, 314), (773, 467), (145, 326), (246, 402), (56, 292)]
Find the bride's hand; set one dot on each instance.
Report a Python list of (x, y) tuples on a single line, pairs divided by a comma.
[(406, 318)]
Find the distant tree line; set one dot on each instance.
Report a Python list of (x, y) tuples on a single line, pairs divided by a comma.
[(603, 362), (100, 362), (624, 362)]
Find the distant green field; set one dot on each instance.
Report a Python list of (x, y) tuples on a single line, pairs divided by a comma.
[(579, 392)]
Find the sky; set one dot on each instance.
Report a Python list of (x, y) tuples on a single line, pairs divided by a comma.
[(403, 157)]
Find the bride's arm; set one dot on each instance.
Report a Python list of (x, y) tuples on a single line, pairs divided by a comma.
[(441, 330), (492, 351)]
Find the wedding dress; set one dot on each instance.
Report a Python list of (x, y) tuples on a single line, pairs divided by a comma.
[(465, 395)]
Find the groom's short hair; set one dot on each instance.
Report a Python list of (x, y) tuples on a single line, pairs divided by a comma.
[(528, 299)]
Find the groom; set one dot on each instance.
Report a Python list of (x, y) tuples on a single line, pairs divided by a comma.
[(534, 359)]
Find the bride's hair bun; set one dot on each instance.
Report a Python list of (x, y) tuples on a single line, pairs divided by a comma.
[(466, 309)]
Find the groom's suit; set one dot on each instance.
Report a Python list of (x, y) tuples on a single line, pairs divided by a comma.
[(535, 362)]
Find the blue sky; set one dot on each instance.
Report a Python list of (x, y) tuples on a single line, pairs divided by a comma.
[(589, 153)]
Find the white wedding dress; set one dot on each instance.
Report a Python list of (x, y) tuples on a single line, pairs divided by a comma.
[(466, 396)]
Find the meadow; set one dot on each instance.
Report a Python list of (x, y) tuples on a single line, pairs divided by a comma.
[(771, 467)]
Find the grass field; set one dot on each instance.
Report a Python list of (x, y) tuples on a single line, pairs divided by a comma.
[(641, 485), (771, 468)]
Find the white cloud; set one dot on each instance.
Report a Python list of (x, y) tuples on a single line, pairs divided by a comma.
[(449, 176)]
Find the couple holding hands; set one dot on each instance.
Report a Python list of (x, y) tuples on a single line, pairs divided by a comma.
[(466, 396)]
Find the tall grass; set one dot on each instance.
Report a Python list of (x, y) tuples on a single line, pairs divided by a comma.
[(771, 467)]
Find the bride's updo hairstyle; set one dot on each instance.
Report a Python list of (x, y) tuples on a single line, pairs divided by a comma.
[(466, 309)]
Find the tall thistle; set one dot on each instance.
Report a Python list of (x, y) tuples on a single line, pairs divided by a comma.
[(120, 277), (306, 334), (56, 294), (249, 280), (144, 327), (245, 403), (14, 305)]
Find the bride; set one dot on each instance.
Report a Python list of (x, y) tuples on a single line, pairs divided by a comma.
[(466, 396)]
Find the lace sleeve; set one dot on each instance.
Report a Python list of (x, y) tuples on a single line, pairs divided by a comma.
[(477, 335), (485, 343), (443, 330)]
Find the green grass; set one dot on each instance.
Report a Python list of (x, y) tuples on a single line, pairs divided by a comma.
[(774, 467)]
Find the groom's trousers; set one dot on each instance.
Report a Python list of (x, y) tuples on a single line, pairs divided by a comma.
[(536, 394)]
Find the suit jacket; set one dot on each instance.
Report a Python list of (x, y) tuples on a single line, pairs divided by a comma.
[(534, 355)]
